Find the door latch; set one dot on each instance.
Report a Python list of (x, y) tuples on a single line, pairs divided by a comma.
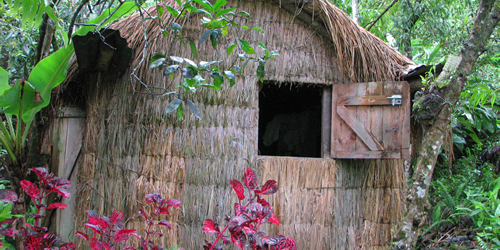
[(396, 99)]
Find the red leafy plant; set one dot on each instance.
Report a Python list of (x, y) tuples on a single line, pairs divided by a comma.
[(7, 195), (157, 207), (35, 236), (7, 198), (244, 226), (111, 229), (6, 230)]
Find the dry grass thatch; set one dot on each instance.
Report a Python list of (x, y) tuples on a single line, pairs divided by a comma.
[(364, 56), (361, 56)]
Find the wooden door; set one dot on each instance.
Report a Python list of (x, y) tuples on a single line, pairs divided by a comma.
[(65, 145), (366, 124)]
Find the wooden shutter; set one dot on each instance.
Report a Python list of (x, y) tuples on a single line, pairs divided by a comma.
[(366, 124)]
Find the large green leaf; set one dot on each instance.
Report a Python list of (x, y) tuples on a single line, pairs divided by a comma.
[(194, 109), (47, 74), (206, 4), (4, 80), (433, 54), (32, 12), (223, 12), (193, 49), (230, 49), (174, 105), (245, 45), (218, 4), (9, 100)]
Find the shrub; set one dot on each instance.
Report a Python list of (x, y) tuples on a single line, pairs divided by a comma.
[(110, 230), (34, 236), (244, 225)]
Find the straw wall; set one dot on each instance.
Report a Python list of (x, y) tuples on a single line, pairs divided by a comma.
[(131, 147), (327, 204)]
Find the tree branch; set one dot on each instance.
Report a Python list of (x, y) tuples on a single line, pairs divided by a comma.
[(73, 19), (369, 25), (413, 17)]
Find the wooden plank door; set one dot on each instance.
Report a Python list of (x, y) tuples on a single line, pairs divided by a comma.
[(366, 124), (66, 143)]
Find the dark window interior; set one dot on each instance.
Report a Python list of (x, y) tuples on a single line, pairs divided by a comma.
[(290, 120)]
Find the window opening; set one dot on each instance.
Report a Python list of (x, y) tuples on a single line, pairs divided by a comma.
[(290, 120)]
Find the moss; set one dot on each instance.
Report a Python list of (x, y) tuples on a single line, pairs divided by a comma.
[(427, 105)]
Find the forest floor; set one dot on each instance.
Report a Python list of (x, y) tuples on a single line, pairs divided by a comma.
[(449, 236), (448, 241)]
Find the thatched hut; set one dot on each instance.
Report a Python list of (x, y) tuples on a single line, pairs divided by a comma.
[(339, 189)]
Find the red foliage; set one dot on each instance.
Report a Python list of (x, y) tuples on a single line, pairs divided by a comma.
[(8, 231), (30, 189), (250, 179), (238, 188), (158, 206), (55, 184), (165, 223), (210, 226), (41, 239), (270, 187), (273, 219), (110, 229), (244, 226), (173, 203), (7, 195), (56, 205), (36, 237), (48, 183), (284, 244)]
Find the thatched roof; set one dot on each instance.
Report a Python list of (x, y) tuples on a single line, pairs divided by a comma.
[(361, 55)]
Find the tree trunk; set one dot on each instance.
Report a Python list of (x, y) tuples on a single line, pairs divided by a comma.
[(4, 61), (19, 207), (355, 11), (413, 14), (432, 141)]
